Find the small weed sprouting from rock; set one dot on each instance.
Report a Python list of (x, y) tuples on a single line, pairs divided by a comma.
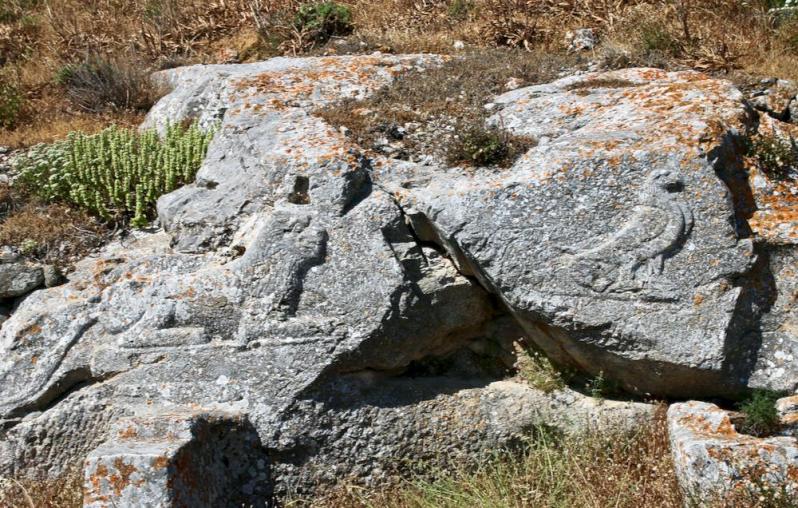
[(761, 416), (538, 371), (776, 157), (10, 104), (117, 174), (98, 84), (600, 387), (486, 146)]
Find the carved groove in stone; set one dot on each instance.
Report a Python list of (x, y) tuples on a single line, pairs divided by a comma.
[(630, 261)]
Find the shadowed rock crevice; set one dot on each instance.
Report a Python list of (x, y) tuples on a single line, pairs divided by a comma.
[(744, 335)]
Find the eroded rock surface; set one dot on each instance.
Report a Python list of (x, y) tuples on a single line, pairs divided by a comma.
[(714, 462), (615, 242), (357, 309), (19, 278), (180, 458)]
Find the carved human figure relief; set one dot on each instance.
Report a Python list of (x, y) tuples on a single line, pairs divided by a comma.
[(630, 261)]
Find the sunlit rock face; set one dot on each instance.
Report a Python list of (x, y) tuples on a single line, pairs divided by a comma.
[(358, 311)]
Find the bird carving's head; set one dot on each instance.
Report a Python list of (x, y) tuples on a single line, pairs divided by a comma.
[(667, 180)]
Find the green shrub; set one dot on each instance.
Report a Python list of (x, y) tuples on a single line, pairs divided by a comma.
[(324, 20), (776, 157), (10, 104), (657, 39), (486, 146), (761, 416), (460, 9), (117, 174), (98, 84)]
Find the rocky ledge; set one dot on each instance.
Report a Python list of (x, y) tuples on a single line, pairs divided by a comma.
[(339, 312)]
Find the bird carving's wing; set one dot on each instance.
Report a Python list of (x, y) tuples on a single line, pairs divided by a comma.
[(646, 224), (678, 223)]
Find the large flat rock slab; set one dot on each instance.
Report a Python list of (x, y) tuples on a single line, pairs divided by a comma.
[(615, 242)]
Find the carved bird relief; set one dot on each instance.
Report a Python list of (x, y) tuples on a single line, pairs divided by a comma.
[(630, 260)]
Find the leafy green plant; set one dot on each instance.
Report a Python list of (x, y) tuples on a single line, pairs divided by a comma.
[(486, 146), (10, 104), (777, 157), (117, 174), (324, 20), (761, 415)]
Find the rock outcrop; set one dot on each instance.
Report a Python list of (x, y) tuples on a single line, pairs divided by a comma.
[(714, 463), (358, 310), (179, 459), (616, 242)]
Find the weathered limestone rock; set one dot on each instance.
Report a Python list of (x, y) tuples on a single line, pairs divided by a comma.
[(19, 278), (582, 39), (788, 415), (713, 461), (772, 207), (181, 458), (776, 99), (775, 220), (615, 241), (357, 309)]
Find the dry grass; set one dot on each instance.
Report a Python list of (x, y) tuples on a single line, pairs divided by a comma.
[(38, 38), (51, 233), (590, 471), (63, 492), (537, 370), (62, 123), (597, 470), (447, 103)]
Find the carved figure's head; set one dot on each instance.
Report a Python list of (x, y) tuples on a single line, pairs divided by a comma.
[(666, 180)]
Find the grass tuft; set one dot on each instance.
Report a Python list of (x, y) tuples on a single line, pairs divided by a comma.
[(592, 470), (481, 146), (537, 370), (98, 84)]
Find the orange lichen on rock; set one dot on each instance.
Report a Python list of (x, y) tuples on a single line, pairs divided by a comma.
[(776, 220), (121, 480), (324, 81)]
